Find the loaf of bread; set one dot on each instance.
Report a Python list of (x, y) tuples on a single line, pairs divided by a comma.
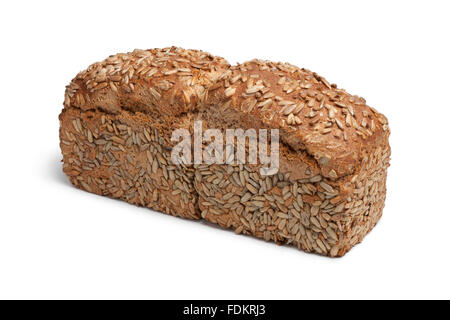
[(328, 193)]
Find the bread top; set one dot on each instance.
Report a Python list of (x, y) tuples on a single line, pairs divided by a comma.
[(334, 128), (337, 129), (158, 82)]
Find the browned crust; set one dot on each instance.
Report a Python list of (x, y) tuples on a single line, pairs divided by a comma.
[(335, 128), (168, 82)]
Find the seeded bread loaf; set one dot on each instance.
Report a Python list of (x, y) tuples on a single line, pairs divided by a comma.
[(329, 191)]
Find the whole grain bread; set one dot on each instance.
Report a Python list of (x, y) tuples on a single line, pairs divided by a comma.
[(330, 189)]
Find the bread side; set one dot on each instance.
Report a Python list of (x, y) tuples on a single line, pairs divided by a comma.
[(311, 213), (122, 156)]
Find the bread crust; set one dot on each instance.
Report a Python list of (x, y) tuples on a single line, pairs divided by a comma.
[(333, 127), (158, 82)]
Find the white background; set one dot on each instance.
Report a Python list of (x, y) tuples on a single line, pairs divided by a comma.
[(59, 242)]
